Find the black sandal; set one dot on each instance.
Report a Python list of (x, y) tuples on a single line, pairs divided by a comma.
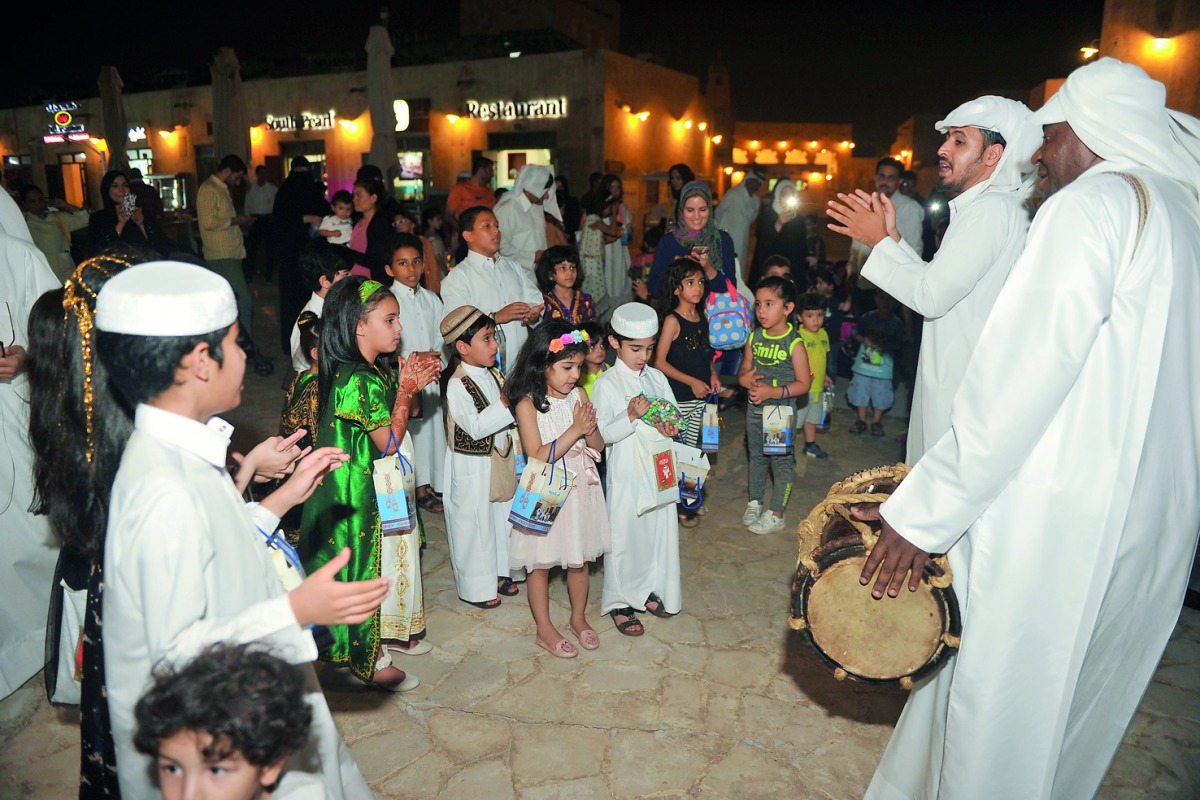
[(507, 588), (623, 627), (486, 605), (430, 503), (661, 613)]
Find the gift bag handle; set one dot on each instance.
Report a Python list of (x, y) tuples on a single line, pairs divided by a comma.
[(699, 493), (277, 542), (554, 461), (391, 443)]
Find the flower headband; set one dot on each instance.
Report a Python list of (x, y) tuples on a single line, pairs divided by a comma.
[(367, 289), (574, 337)]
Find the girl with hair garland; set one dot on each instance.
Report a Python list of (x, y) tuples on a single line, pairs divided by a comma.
[(363, 409), (83, 433), (554, 415)]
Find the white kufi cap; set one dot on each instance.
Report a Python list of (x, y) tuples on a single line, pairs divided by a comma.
[(635, 320), (166, 298)]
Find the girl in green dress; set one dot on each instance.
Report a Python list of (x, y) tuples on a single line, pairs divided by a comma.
[(362, 405)]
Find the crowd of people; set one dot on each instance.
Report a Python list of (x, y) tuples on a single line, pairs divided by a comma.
[(524, 378)]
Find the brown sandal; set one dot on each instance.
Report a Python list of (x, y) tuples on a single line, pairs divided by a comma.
[(858, 427)]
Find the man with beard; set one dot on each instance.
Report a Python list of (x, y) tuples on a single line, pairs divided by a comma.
[(300, 202), (988, 141), (1071, 463)]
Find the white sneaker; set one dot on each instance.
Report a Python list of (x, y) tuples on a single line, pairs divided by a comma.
[(753, 511), (767, 523)]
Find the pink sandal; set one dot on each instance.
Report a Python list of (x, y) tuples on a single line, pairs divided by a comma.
[(563, 649)]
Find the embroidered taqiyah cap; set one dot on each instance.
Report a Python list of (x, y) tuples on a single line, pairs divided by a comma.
[(166, 298), (635, 320), (457, 321)]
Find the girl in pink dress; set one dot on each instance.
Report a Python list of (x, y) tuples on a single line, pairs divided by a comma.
[(552, 411)]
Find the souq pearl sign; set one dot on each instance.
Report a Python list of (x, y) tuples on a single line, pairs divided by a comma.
[(303, 121), (518, 109)]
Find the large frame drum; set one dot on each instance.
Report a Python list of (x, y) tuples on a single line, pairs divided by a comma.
[(892, 641)]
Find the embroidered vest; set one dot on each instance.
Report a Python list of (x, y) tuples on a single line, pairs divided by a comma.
[(456, 437)]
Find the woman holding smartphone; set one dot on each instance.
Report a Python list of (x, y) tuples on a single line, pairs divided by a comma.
[(697, 237), (122, 223), (694, 236), (782, 231)]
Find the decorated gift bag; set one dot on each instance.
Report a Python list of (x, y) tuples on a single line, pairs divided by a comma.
[(692, 466), (710, 426), (777, 429), (656, 478), (827, 398), (518, 453), (541, 493), (63, 685), (395, 490)]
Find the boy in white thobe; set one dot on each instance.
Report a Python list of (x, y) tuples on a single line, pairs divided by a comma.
[(184, 564), (421, 312), (494, 284), (642, 571), (477, 529)]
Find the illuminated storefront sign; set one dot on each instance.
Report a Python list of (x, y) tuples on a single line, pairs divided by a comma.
[(137, 134), (303, 121), (59, 138), (62, 124), (518, 109)]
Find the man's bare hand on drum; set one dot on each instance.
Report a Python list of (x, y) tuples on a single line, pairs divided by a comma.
[(893, 555)]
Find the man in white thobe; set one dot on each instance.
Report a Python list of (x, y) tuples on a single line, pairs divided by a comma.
[(988, 145), (1072, 463), (738, 210), (27, 569), (494, 284), (522, 215)]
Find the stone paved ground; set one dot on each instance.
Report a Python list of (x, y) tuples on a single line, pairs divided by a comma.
[(721, 701)]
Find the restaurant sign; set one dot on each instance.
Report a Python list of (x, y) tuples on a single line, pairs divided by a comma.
[(554, 108), (63, 122), (303, 121)]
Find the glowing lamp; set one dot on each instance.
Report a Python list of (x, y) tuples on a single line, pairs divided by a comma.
[(643, 115), (1089, 51), (703, 126), (452, 118), (729, 170), (717, 139)]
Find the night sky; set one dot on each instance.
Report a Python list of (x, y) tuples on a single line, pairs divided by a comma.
[(804, 61)]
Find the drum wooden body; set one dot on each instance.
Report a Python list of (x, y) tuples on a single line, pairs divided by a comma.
[(888, 641)]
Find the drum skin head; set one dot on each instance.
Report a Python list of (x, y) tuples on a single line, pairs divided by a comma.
[(894, 640), (881, 640)]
